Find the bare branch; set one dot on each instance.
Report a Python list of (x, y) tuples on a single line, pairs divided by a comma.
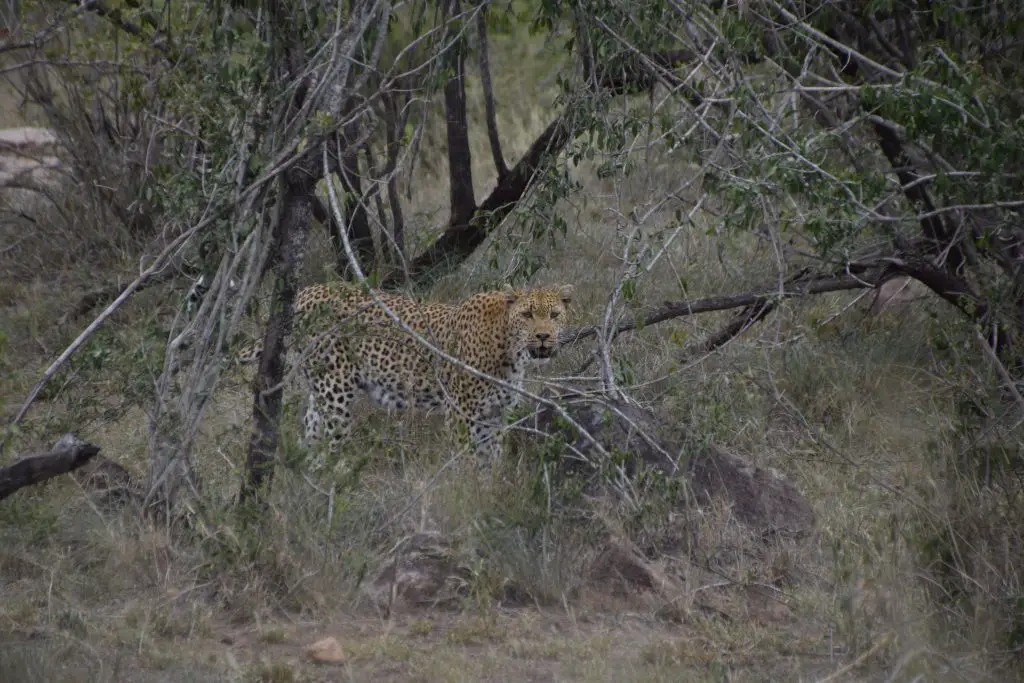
[(760, 303), (485, 82)]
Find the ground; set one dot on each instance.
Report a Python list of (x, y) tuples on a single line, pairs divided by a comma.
[(495, 645)]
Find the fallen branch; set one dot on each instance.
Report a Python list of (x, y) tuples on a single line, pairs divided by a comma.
[(68, 456)]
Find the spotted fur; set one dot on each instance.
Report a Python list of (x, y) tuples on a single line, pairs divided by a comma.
[(350, 345)]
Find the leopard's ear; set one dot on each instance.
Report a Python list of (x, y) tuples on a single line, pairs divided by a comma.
[(511, 295), (565, 291)]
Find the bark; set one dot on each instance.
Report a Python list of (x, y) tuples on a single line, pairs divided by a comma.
[(289, 241)]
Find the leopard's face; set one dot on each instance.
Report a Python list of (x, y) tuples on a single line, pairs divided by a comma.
[(535, 319)]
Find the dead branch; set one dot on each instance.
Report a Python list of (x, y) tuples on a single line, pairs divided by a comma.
[(34, 469), (758, 304)]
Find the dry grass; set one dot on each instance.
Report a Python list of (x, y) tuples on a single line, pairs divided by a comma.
[(865, 422)]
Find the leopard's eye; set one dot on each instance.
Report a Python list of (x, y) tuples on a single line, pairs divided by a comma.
[(527, 314), (554, 314)]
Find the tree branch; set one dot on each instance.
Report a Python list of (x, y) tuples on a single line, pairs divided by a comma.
[(485, 81), (757, 304), (462, 238), (38, 468), (933, 226)]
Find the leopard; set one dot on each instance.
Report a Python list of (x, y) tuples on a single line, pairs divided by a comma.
[(345, 344)]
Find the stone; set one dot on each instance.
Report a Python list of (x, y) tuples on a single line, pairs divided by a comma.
[(326, 651), (761, 498)]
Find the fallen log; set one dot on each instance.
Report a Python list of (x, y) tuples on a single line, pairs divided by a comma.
[(67, 455)]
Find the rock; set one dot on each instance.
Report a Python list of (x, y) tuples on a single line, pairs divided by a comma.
[(760, 498), (27, 155), (26, 139), (897, 293), (622, 568), (421, 570), (326, 651)]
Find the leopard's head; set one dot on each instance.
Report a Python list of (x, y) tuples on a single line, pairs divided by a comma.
[(535, 319)]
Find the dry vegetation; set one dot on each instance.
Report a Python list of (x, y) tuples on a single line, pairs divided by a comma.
[(864, 414)]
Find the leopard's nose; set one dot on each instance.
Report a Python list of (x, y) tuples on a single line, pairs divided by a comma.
[(543, 336)]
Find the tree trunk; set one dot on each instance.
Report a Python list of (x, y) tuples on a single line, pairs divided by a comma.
[(289, 242), (460, 170)]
